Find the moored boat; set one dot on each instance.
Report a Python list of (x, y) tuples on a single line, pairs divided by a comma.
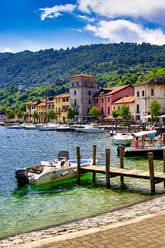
[(63, 128), (133, 152), (47, 127), (15, 126), (57, 170), (90, 129), (29, 126), (122, 139)]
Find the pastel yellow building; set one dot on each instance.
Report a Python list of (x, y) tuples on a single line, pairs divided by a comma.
[(61, 105), (41, 109), (30, 108)]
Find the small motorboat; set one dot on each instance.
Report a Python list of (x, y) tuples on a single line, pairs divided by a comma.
[(47, 127), (29, 126), (15, 127), (57, 170), (63, 128), (90, 129), (122, 139)]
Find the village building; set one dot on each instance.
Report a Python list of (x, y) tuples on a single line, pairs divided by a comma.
[(61, 105), (82, 88), (30, 108), (41, 106), (128, 101), (41, 109), (152, 89), (105, 98)]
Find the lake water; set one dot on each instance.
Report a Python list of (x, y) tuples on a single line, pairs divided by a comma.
[(32, 207)]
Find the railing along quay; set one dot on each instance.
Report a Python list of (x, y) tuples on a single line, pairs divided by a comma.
[(154, 177)]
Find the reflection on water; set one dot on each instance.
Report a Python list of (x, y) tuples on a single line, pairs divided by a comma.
[(32, 207)]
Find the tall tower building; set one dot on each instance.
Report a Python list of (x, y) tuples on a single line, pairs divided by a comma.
[(82, 88)]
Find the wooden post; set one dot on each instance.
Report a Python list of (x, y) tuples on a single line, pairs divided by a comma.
[(121, 162), (164, 164), (107, 168), (78, 165), (163, 139), (94, 162), (151, 170)]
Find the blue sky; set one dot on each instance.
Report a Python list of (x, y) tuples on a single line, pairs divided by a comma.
[(42, 24)]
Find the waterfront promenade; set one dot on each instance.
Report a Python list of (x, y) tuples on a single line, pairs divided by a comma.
[(136, 226), (148, 232)]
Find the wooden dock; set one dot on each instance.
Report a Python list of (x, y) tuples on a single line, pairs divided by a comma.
[(154, 177)]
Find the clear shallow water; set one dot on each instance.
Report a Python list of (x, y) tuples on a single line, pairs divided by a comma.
[(32, 207)]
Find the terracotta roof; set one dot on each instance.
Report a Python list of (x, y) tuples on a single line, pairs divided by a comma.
[(154, 80), (127, 99), (113, 90), (83, 75), (62, 95), (110, 91), (42, 104)]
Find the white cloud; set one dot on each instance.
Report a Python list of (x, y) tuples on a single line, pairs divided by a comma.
[(147, 9), (5, 50), (85, 18), (126, 31), (56, 11)]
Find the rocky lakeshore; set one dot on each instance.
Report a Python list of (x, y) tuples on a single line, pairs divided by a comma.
[(148, 207)]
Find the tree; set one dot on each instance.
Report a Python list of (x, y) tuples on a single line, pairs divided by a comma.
[(25, 115), (95, 112), (115, 113), (19, 115), (51, 114), (36, 116), (125, 113), (155, 108), (71, 114), (10, 114)]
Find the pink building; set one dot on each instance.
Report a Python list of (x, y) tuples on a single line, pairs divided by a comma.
[(106, 96)]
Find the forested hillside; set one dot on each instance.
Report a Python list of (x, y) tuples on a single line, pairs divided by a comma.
[(45, 73), (101, 60)]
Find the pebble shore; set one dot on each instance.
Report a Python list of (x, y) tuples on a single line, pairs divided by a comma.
[(153, 205)]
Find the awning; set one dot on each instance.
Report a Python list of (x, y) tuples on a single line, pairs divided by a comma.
[(139, 134)]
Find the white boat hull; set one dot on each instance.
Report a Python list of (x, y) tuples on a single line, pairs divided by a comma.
[(52, 174), (122, 139)]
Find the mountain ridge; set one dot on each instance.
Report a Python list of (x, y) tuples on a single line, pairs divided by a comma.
[(49, 66)]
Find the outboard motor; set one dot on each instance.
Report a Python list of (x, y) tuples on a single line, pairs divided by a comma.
[(22, 177), (118, 150)]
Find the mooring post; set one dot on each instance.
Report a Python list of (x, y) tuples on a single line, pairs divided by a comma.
[(121, 162), (78, 165), (164, 164), (107, 168), (163, 139), (94, 162), (151, 170)]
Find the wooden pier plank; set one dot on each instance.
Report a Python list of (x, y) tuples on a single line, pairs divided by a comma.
[(123, 172)]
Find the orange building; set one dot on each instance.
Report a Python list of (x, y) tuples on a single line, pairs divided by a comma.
[(128, 101)]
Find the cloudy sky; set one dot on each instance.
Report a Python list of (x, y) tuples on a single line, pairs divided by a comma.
[(41, 24)]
